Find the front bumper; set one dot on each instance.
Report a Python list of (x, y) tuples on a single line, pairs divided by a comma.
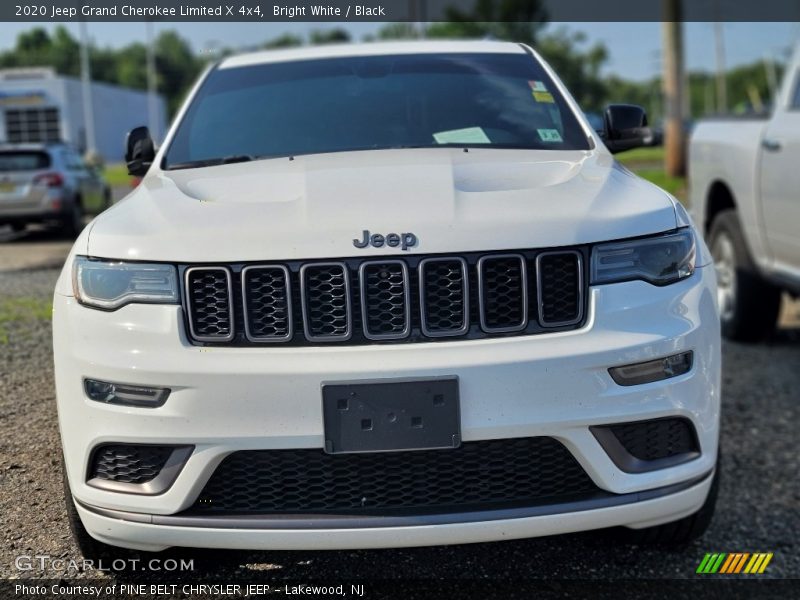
[(229, 399)]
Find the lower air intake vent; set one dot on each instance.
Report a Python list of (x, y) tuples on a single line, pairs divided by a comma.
[(129, 463), (479, 475)]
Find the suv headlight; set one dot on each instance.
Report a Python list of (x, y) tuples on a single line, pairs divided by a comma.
[(109, 285), (659, 260)]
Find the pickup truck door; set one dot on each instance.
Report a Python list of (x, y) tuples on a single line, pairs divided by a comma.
[(780, 179)]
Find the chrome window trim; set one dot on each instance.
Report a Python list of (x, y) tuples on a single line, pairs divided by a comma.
[(524, 284), (406, 295), (539, 302), (304, 304), (465, 287), (289, 314), (210, 338)]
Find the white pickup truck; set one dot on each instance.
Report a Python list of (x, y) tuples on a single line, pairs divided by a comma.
[(745, 194)]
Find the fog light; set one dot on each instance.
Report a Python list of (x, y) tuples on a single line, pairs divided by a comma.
[(124, 394), (653, 370)]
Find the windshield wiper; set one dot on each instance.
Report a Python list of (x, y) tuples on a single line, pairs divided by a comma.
[(210, 162)]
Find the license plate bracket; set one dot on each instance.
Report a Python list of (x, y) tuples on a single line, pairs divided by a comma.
[(391, 414)]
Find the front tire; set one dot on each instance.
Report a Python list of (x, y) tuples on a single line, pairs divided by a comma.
[(682, 531), (748, 305), (90, 548)]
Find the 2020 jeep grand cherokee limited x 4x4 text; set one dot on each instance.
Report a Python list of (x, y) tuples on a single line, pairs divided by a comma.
[(386, 295)]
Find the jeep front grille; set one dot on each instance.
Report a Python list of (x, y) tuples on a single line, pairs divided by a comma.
[(386, 300)]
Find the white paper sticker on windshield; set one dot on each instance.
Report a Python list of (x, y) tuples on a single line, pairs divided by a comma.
[(549, 135), (537, 86), (470, 135)]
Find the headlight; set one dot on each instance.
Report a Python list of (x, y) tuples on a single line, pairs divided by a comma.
[(110, 285), (659, 260)]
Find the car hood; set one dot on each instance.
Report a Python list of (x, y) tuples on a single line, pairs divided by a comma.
[(314, 206)]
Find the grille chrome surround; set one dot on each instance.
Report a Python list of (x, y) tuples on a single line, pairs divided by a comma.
[(191, 304), (385, 299), (424, 300), (289, 318), (305, 298), (365, 300), (482, 301), (543, 320)]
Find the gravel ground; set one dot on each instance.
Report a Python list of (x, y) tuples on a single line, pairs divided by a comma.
[(757, 509)]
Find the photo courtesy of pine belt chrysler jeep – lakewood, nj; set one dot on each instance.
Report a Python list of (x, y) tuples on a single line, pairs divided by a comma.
[(386, 295)]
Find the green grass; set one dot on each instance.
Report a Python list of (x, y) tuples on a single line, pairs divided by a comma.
[(23, 309), (117, 175), (652, 155), (674, 185)]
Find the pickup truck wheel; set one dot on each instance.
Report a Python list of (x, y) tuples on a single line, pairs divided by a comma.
[(748, 305)]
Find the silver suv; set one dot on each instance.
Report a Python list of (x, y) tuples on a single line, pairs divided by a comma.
[(48, 183)]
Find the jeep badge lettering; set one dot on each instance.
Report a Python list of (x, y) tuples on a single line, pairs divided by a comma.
[(393, 240)]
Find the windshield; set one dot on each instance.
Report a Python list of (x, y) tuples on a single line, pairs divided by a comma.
[(23, 161), (374, 102)]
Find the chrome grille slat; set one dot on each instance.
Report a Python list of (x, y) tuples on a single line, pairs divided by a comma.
[(444, 296), (503, 293), (559, 288), (385, 299), (325, 293), (267, 301), (210, 303)]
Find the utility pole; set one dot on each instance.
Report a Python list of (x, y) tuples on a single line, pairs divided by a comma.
[(674, 89), (152, 98), (86, 93), (722, 82)]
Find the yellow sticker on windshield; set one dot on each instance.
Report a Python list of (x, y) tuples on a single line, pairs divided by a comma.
[(543, 97), (549, 135)]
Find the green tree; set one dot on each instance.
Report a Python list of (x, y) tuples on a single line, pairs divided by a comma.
[(517, 20), (287, 40), (328, 36)]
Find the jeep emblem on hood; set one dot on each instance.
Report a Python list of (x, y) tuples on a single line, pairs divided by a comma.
[(393, 240)]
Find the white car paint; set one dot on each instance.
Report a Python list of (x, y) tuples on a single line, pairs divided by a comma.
[(234, 398), (756, 159)]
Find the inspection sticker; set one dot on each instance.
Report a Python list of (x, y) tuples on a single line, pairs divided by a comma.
[(543, 97), (537, 86), (549, 135)]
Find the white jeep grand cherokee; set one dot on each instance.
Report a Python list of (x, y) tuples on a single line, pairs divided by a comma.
[(386, 295)]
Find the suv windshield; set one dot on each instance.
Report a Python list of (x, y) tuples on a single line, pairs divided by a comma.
[(374, 102), (23, 161)]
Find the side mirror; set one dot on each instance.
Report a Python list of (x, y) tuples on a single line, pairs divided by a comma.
[(625, 127), (139, 151)]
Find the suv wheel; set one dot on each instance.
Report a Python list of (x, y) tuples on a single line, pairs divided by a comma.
[(72, 221), (748, 305), (90, 548), (682, 531)]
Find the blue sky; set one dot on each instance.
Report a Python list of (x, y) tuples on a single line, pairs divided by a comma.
[(634, 48)]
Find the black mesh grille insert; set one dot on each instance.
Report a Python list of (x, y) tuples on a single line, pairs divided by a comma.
[(385, 299), (503, 293), (444, 298), (326, 301), (477, 475), (559, 288), (657, 438), (267, 303), (128, 463), (208, 295)]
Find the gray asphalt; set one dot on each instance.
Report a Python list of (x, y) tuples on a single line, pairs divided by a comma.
[(758, 508)]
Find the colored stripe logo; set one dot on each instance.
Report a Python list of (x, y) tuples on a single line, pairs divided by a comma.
[(734, 562)]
